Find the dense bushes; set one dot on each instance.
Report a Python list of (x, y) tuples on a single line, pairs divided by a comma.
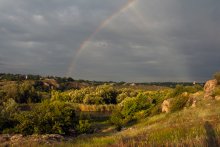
[(128, 110), (46, 118), (133, 105), (118, 119), (125, 93), (180, 89), (28, 93), (178, 103), (24, 92), (93, 99), (55, 117), (57, 113), (108, 93), (103, 94), (7, 113)]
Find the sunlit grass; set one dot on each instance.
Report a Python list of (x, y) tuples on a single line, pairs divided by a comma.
[(184, 128)]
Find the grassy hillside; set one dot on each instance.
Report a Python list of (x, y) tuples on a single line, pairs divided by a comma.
[(193, 126), (199, 126), (38, 112)]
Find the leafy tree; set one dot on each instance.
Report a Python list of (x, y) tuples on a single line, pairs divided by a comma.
[(77, 96), (21, 92), (108, 93), (93, 99), (60, 96), (117, 119), (8, 111), (133, 105), (26, 122), (11, 90), (55, 118), (28, 93)]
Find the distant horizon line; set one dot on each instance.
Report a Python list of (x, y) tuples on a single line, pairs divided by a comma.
[(108, 81)]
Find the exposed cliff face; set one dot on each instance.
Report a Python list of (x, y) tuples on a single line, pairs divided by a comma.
[(209, 88)]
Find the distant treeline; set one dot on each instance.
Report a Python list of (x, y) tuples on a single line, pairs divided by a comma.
[(172, 84), (21, 77)]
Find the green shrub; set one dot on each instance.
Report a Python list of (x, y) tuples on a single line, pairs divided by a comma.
[(28, 94), (117, 119), (27, 123), (121, 97), (7, 115), (131, 109), (216, 91), (77, 96), (93, 99), (155, 110), (141, 114), (48, 118), (84, 126), (193, 89), (180, 89), (133, 105), (178, 103), (108, 93), (21, 92)]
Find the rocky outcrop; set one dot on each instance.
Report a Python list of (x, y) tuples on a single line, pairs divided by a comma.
[(166, 105), (209, 88), (16, 138), (217, 98), (20, 140)]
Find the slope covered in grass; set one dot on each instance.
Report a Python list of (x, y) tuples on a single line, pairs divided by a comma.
[(199, 126)]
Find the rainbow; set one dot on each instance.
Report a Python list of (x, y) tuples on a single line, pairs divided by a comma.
[(143, 25), (101, 26)]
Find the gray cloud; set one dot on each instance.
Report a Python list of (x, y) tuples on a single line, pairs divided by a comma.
[(156, 40)]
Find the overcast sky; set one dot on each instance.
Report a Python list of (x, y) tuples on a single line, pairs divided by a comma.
[(149, 40)]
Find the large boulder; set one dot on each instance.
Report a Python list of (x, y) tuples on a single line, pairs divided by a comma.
[(166, 105), (209, 88), (217, 98)]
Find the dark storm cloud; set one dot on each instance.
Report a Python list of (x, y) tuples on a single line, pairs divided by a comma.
[(46, 34), (158, 40)]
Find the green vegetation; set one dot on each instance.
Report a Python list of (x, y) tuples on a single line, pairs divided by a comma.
[(47, 118), (192, 127), (180, 89), (217, 76), (178, 103), (105, 114)]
